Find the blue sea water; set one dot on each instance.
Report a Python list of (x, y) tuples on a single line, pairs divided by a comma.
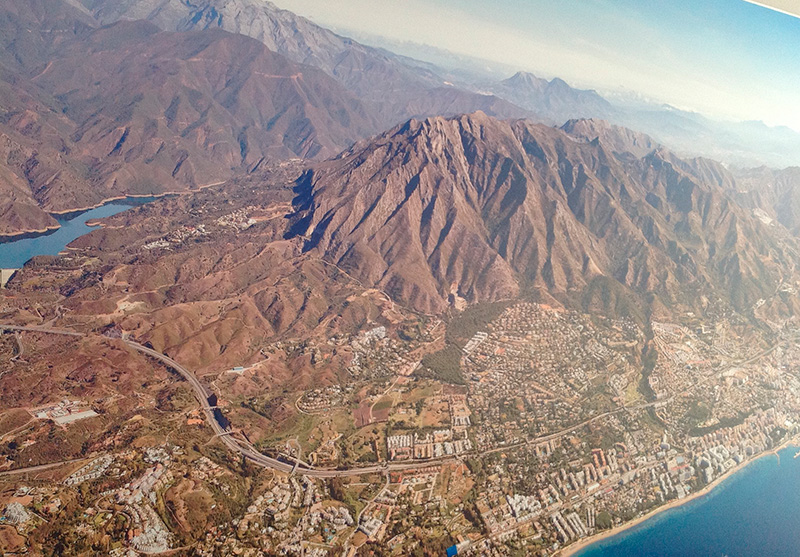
[(14, 254), (754, 513)]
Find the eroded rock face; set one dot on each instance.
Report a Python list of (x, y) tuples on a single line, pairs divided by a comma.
[(167, 98), (434, 214), (491, 208), (90, 113)]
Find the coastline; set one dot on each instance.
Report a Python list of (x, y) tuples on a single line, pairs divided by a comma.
[(103, 202), (579, 545)]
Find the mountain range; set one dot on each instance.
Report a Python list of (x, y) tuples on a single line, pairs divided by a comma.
[(554, 99), (395, 89), (363, 265), (741, 144), (428, 217), (485, 210), (92, 113), (105, 98)]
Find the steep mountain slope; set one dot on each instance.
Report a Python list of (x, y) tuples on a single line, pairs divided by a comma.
[(24, 108), (775, 192), (397, 90), (205, 84), (94, 113), (400, 88), (31, 31), (209, 278), (280, 30), (418, 218), (482, 209), (619, 140), (19, 211)]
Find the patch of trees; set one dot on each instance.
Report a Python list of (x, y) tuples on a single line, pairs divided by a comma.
[(603, 520), (444, 365), (723, 423), (473, 319)]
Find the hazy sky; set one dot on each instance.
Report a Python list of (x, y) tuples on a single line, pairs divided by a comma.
[(724, 58)]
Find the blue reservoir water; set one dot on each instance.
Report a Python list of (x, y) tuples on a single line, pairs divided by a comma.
[(13, 255), (754, 513)]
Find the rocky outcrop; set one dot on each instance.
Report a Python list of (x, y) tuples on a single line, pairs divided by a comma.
[(487, 209)]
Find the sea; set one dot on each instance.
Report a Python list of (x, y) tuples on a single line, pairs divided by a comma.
[(753, 513), (14, 254)]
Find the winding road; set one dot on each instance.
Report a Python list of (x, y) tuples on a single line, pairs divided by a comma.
[(298, 467), (223, 434)]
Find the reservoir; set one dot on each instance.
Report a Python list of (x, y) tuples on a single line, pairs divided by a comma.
[(14, 254), (754, 513)]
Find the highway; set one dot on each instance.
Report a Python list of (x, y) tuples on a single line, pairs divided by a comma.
[(40, 467), (260, 459), (64, 332), (201, 394), (299, 467), (235, 445)]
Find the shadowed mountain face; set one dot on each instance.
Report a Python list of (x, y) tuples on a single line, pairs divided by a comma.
[(93, 113), (399, 88), (416, 218), (482, 209), (394, 89)]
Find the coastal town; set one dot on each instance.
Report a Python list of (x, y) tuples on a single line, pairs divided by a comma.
[(559, 429), (303, 278)]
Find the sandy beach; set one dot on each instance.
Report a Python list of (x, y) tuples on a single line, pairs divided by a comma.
[(574, 548)]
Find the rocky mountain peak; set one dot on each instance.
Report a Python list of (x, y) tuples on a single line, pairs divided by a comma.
[(502, 207)]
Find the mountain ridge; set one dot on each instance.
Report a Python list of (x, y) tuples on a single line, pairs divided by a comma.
[(95, 113), (396, 90), (553, 99), (484, 210)]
